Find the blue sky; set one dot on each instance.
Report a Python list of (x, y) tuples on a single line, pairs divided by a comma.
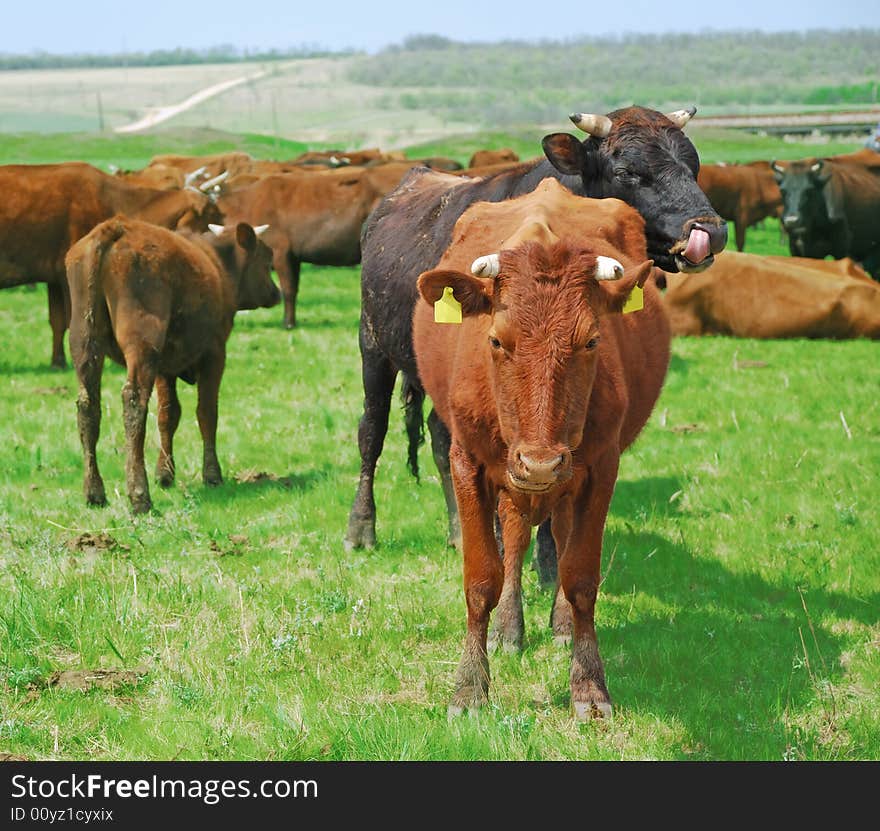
[(116, 25)]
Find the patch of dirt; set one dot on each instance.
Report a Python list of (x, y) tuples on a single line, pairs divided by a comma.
[(90, 542), (51, 391), (238, 542), (12, 757), (89, 679), (251, 477), (686, 428)]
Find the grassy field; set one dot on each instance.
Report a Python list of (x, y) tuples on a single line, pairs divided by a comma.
[(738, 615)]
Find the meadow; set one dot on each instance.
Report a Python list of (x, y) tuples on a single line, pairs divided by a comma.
[(737, 617)]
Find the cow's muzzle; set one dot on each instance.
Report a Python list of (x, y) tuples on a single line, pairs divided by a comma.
[(702, 239), (533, 469)]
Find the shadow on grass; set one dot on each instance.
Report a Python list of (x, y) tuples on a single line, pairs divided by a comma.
[(678, 364), (254, 483)]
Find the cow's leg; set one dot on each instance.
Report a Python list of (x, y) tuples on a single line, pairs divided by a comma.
[(508, 626), (483, 578), (545, 555), (209, 377), (441, 441), (287, 268), (168, 413), (88, 360), (560, 616), (58, 317), (378, 376), (135, 400), (740, 225), (579, 574)]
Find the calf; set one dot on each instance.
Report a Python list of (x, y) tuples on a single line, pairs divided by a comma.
[(161, 304), (543, 385)]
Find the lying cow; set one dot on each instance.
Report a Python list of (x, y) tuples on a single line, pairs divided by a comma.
[(543, 385), (161, 304), (749, 296)]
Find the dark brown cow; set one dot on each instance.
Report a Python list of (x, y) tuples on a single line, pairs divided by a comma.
[(749, 296), (635, 154), (49, 207), (162, 305), (487, 157), (312, 217), (741, 193), (543, 385)]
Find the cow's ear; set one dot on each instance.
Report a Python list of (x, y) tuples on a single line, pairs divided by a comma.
[(474, 294), (615, 293), (245, 236), (565, 152)]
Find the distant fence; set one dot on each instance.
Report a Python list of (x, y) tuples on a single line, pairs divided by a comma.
[(827, 122)]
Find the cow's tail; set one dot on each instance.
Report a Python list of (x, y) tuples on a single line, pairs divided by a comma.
[(413, 400), (86, 266)]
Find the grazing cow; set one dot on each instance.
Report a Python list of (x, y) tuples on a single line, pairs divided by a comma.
[(486, 157), (312, 217), (162, 305), (831, 208), (638, 155), (543, 385), (749, 296), (742, 193), (49, 207)]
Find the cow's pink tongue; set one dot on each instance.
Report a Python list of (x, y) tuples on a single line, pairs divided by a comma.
[(697, 248)]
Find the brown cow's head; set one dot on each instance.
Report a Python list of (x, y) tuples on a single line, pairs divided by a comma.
[(199, 211), (545, 305), (642, 157), (248, 262)]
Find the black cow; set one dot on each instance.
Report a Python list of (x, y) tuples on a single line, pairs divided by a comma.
[(831, 207), (638, 155)]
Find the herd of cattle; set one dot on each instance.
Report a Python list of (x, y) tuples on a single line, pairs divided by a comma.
[(571, 272)]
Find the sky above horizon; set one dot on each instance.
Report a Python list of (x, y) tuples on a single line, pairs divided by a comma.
[(106, 26)]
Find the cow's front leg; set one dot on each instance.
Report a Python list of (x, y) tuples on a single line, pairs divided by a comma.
[(483, 577), (209, 377), (508, 626), (579, 573)]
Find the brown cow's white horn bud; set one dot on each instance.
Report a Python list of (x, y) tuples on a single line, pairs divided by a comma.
[(595, 125), (217, 180), (486, 266), (681, 117), (607, 268), (191, 177), (259, 229), (217, 230)]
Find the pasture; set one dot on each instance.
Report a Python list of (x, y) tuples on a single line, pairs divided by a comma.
[(737, 617)]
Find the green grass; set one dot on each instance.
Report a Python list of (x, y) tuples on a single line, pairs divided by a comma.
[(738, 617)]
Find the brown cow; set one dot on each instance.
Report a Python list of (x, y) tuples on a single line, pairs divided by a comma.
[(486, 157), (214, 164), (749, 296), (49, 207), (543, 385), (742, 193), (162, 305), (312, 217)]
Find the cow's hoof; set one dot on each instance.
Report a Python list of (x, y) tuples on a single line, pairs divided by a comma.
[(467, 699), (290, 324), (141, 505), (98, 499), (562, 640), (212, 477), (510, 643), (165, 478), (589, 710), (361, 534)]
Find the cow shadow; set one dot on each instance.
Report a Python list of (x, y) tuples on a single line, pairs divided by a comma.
[(256, 484), (647, 496), (678, 364)]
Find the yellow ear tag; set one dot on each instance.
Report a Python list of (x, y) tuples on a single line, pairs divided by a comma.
[(635, 302), (447, 309)]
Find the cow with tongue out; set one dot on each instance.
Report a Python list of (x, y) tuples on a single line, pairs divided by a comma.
[(635, 154)]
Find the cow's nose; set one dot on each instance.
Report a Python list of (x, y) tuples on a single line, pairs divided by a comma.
[(542, 466), (790, 220)]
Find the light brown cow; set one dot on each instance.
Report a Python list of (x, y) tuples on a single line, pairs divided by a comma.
[(47, 208), (312, 217), (742, 193), (233, 162), (162, 305), (486, 157), (543, 385), (749, 296)]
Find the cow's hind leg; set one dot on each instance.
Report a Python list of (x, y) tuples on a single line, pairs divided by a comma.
[(508, 626), (209, 377), (287, 267), (58, 317), (168, 414), (378, 378), (89, 362), (441, 440), (135, 400), (545, 555)]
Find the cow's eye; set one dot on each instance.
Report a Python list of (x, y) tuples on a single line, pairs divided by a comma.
[(496, 344), (592, 343)]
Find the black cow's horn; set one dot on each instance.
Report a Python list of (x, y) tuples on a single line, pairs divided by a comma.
[(595, 125), (681, 117)]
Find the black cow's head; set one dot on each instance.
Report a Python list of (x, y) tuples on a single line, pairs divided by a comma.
[(642, 157), (806, 214)]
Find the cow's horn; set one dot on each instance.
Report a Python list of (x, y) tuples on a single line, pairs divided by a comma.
[(259, 229), (607, 268), (777, 167), (595, 125), (816, 166), (191, 177), (217, 230), (486, 266), (681, 117), (217, 180)]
